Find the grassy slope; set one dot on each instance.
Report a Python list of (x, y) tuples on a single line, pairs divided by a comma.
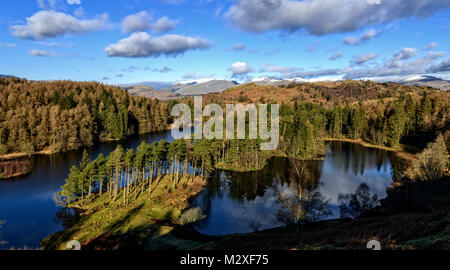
[(104, 225), (415, 215), (403, 231)]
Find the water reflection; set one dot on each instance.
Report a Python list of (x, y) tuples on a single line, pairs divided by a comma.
[(290, 191), (27, 203)]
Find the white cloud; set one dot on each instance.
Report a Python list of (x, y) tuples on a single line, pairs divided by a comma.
[(134, 68), (367, 36), (277, 69), (361, 60), (238, 47), (40, 53), (8, 45), (335, 56), (142, 21), (195, 76), (74, 2), (374, 2), (44, 4), (405, 53), (49, 24), (400, 64), (440, 67), (341, 15), (430, 46), (164, 24), (143, 45), (79, 12), (397, 65), (136, 22), (241, 68)]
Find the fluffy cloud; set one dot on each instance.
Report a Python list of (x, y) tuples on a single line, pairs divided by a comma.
[(164, 24), (335, 56), (162, 70), (8, 45), (136, 22), (361, 60), (443, 66), (49, 24), (430, 46), (277, 69), (47, 4), (405, 53), (241, 68), (195, 76), (142, 21), (368, 35), (134, 68), (40, 53), (398, 65), (55, 4), (238, 47), (401, 63), (341, 15), (143, 45)]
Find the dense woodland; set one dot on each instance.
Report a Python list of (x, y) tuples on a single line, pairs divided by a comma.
[(63, 115), (403, 120)]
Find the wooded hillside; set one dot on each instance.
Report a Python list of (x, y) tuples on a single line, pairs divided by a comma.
[(64, 115)]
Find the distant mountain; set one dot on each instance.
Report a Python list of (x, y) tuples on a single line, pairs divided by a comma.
[(202, 87), (279, 81), (429, 81), (181, 89), (149, 92), (5, 76), (152, 84)]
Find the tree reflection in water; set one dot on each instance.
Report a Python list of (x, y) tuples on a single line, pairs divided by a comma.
[(2, 243), (354, 205), (289, 191), (301, 201)]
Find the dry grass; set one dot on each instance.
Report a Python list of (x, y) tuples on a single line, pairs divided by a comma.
[(113, 225)]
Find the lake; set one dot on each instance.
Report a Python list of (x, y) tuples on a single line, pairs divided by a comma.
[(26, 203), (232, 201)]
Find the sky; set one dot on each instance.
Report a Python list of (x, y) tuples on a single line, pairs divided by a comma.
[(131, 41)]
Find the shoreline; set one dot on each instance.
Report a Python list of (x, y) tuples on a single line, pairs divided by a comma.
[(49, 151), (398, 151), (13, 156)]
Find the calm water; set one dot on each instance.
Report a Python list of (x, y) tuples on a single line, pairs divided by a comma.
[(232, 201), (26, 203)]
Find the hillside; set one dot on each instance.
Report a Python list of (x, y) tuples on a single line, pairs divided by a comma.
[(214, 86), (181, 89), (428, 81), (149, 92), (326, 93), (64, 115)]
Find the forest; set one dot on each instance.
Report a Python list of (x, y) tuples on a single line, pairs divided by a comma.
[(400, 122), (63, 116), (59, 116)]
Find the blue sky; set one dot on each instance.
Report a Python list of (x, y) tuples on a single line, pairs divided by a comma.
[(171, 40)]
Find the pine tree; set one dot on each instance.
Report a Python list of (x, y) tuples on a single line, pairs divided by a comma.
[(397, 124), (71, 189)]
